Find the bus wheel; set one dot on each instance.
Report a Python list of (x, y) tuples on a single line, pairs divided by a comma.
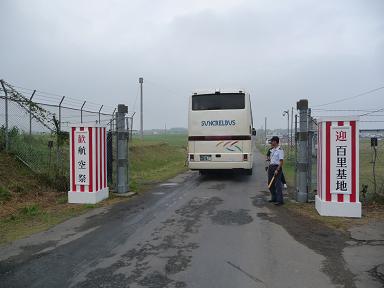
[(249, 171)]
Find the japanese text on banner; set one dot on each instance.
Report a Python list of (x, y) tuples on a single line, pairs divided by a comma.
[(341, 160), (81, 151)]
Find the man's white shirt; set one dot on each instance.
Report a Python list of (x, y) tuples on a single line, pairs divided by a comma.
[(277, 154)]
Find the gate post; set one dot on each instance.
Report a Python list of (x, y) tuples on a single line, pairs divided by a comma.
[(302, 193), (122, 149)]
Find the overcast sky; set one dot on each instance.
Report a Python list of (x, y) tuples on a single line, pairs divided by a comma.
[(280, 51)]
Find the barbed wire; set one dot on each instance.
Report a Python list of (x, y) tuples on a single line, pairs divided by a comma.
[(58, 97)]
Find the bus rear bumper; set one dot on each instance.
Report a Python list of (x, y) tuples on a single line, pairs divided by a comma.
[(199, 165)]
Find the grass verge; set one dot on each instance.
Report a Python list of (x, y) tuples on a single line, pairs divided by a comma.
[(29, 205), (371, 213)]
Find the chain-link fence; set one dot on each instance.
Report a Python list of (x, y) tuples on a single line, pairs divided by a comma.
[(371, 160), (38, 130)]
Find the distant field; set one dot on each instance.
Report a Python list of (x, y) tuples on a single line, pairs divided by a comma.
[(156, 158), (171, 139), (366, 174)]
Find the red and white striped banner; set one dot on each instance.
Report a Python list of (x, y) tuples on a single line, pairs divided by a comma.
[(338, 166), (88, 163)]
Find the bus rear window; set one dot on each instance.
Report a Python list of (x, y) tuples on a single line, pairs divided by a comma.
[(223, 101)]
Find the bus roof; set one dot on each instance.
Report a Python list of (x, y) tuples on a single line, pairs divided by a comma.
[(214, 91)]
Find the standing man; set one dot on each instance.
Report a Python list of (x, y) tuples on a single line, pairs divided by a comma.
[(268, 161), (275, 169)]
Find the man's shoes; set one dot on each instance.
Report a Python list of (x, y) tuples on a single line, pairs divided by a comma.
[(271, 201), (278, 203), (285, 186)]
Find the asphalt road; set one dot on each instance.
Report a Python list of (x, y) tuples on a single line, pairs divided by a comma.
[(194, 231)]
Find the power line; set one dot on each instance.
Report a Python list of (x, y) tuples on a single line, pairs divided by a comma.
[(352, 97), (369, 115), (344, 110), (378, 110)]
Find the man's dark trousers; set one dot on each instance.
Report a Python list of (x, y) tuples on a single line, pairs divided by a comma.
[(276, 187)]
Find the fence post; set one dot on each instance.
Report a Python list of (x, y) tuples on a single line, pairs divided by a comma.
[(30, 112), (122, 150), (302, 194), (291, 128), (131, 132), (62, 99), (100, 112), (296, 158), (81, 112), (6, 116), (114, 119), (310, 142)]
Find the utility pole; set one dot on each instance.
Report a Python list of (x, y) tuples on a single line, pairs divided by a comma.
[(302, 194), (141, 80)]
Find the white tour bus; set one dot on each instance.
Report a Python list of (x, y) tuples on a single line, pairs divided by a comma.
[(220, 131)]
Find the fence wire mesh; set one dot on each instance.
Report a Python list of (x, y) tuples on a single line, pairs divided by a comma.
[(38, 130)]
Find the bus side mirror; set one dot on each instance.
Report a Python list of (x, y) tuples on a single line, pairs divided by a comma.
[(253, 131)]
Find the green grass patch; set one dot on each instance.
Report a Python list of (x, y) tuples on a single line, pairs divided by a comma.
[(5, 195), (366, 170), (33, 219), (155, 159), (370, 214), (30, 210)]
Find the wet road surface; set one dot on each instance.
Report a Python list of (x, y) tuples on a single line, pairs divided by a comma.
[(194, 231)]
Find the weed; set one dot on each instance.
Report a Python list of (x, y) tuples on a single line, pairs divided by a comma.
[(133, 186), (17, 188), (5, 195), (62, 200), (30, 210)]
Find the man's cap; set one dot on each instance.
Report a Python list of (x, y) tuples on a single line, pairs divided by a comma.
[(275, 138)]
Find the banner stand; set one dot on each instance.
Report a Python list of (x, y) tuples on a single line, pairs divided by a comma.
[(338, 167), (88, 164)]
